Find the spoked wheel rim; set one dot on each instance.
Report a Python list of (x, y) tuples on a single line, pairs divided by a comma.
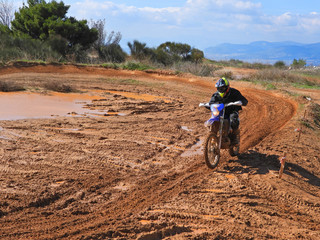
[(211, 151)]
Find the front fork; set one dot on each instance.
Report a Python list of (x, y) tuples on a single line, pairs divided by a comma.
[(220, 131)]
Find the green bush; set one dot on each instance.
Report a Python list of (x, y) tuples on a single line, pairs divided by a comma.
[(136, 66), (279, 64), (298, 63), (13, 48), (112, 53), (38, 19), (162, 57)]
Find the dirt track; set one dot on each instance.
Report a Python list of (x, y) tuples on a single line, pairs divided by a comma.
[(136, 172)]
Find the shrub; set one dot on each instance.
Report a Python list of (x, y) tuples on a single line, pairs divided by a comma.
[(58, 87), (136, 66), (12, 48), (279, 64), (6, 86), (195, 68), (162, 57), (227, 74), (275, 75), (315, 110), (298, 63), (112, 53)]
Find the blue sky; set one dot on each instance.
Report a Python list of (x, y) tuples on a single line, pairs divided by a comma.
[(204, 23)]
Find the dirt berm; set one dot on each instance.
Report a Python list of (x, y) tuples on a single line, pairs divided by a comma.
[(135, 170)]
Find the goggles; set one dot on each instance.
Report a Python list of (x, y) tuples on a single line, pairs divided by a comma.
[(222, 89)]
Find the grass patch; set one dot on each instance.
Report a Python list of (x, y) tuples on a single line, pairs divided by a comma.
[(238, 64), (271, 86), (307, 86), (121, 81), (132, 82), (136, 66), (273, 78), (110, 65)]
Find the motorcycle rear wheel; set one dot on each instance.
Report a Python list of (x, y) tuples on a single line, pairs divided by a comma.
[(211, 151)]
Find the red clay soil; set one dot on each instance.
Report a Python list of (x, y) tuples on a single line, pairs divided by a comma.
[(136, 171)]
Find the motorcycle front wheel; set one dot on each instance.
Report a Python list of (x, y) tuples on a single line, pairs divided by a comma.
[(211, 151)]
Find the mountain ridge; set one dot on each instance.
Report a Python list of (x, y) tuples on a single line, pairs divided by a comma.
[(266, 52)]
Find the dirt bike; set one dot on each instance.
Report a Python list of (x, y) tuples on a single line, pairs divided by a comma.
[(219, 131)]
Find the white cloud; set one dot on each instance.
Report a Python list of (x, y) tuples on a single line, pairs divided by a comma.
[(227, 6), (198, 8), (311, 22), (205, 22), (86, 9), (286, 19)]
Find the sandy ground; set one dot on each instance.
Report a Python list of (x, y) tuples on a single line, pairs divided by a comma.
[(136, 170)]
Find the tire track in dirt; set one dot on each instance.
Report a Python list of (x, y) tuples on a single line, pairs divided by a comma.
[(181, 193), (264, 114)]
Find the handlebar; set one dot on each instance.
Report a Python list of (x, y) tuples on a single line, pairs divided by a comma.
[(237, 103), (204, 105)]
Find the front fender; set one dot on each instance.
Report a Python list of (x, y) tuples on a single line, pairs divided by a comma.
[(211, 121)]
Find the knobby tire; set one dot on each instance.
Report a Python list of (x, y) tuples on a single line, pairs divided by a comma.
[(211, 151)]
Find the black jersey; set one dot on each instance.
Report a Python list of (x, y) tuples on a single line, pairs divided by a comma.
[(233, 95)]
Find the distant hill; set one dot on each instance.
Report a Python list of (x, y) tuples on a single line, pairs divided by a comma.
[(266, 52)]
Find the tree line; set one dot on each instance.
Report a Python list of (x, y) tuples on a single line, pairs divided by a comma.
[(41, 30)]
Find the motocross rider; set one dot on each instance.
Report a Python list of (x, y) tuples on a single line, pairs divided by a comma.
[(226, 94)]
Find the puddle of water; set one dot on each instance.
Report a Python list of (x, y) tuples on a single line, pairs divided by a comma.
[(210, 217), (145, 222), (106, 114), (230, 176), (194, 150), (14, 106), (68, 129), (180, 148), (156, 211), (186, 128), (114, 114)]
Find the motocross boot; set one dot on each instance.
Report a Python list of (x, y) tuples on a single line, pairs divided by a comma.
[(235, 137)]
